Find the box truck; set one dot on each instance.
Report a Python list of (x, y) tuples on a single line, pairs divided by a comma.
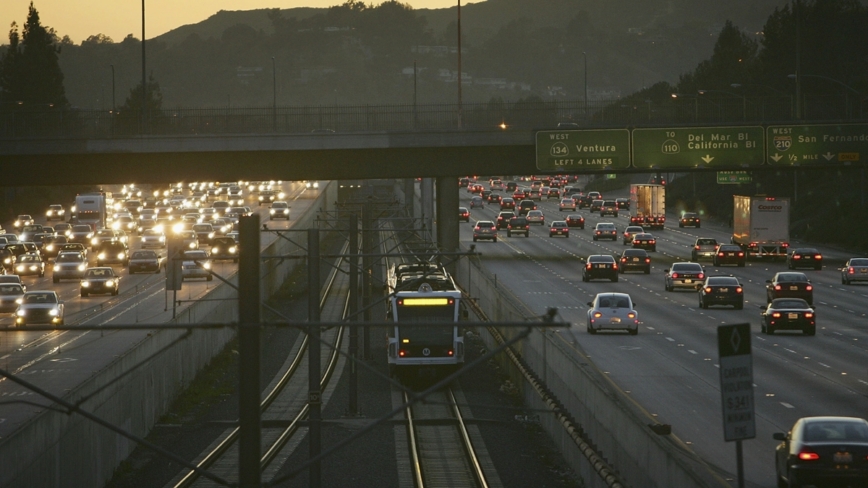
[(648, 206), (761, 225)]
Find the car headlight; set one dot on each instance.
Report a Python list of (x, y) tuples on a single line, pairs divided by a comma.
[(232, 250), (281, 195), (210, 235), (162, 238), (85, 284), (215, 250), (206, 265), (101, 256), (49, 247), (272, 211), (54, 312), (21, 313), (7, 261), (192, 245), (121, 255), (94, 241), (20, 267)]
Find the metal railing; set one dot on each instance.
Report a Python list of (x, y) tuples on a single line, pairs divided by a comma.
[(19, 122)]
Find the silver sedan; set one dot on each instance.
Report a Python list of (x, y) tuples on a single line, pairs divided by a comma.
[(612, 311)]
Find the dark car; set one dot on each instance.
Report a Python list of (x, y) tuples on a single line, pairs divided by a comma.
[(600, 266), (689, 219), (823, 451), (721, 290), (623, 204), (552, 192), (224, 249), (507, 203), (635, 259), (684, 275), (805, 257), (788, 314), (113, 253), (596, 205), (204, 232), (559, 228), (100, 280), (8, 260), (575, 220), (631, 231), (790, 284), (51, 246), (518, 225), (511, 186), (526, 206), (609, 207), (729, 254), (645, 241), (484, 229), (503, 219), (605, 230), (463, 214), (145, 261)]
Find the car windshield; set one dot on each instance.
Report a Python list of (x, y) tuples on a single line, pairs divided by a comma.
[(792, 277), (202, 227), (730, 248), (833, 431), (11, 290), (195, 255), (99, 273), (69, 257), (144, 255), (635, 252), (28, 258), (601, 259), (279, 205), (81, 228), (40, 297)]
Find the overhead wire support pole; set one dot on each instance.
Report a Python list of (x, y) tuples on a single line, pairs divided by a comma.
[(313, 352), (353, 407), (249, 439)]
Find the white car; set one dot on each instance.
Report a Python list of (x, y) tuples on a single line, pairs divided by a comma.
[(279, 210), (39, 307), (536, 217), (191, 269), (153, 238), (69, 265), (567, 204), (612, 311)]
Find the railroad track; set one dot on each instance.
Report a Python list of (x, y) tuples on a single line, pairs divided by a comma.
[(288, 394)]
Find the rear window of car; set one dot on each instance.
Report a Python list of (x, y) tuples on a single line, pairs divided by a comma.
[(485, 223), (729, 247), (706, 242), (794, 277), (789, 303), (601, 259), (518, 220), (686, 267), (635, 252), (605, 226), (723, 280), (613, 302), (859, 262)]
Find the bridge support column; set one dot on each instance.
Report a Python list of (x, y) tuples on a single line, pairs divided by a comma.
[(409, 195), (447, 215), (427, 191)]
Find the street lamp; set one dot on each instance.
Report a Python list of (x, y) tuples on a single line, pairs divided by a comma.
[(274, 95), (144, 78), (113, 87), (833, 80), (585, 56), (788, 95), (695, 103), (743, 99)]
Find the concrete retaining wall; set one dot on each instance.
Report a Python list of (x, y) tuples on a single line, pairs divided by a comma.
[(58, 450)]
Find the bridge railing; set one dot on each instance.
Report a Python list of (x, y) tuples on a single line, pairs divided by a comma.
[(20, 122)]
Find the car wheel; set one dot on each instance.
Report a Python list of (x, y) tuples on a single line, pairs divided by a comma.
[(648, 270), (770, 330), (668, 288), (495, 239), (157, 271), (115, 293), (634, 331), (739, 305), (845, 281), (681, 226), (55, 279), (508, 234), (693, 256), (818, 267), (132, 272), (621, 270), (474, 239), (209, 278), (701, 303), (741, 264), (591, 330), (585, 278), (84, 294), (595, 238)]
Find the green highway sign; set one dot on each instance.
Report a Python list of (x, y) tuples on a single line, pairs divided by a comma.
[(698, 147), (582, 150), (817, 145), (733, 177)]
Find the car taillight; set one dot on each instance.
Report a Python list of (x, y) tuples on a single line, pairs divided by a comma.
[(808, 456), (707, 289), (740, 254), (720, 254), (674, 276), (738, 289), (850, 270), (809, 288), (652, 241), (623, 260), (598, 232), (818, 256), (615, 266), (631, 315), (597, 315), (449, 352), (785, 244), (777, 287), (648, 260), (809, 315), (402, 353), (776, 315), (696, 247), (796, 256), (588, 266), (701, 276)]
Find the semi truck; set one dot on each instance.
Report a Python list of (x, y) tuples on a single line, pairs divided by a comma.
[(648, 206), (90, 209), (761, 225)]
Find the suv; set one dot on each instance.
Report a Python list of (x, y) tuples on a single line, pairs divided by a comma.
[(609, 207), (526, 206), (605, 230), (704, 247), (485, 229), (503, 219), (518, 225), (113, 253)]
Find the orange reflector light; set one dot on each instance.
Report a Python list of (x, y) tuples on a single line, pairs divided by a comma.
[(413, 302)]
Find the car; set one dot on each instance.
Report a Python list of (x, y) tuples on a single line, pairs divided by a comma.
[(146, 260), (535, 194), (113, 253), (507, 203), (494, 198), (55, 212), (10, 296), (279, 210), (101, 236), (224, 248), (637, 259), (485, 194), (145, 224), (511, 186), (62, 228), (27, 232), (804, 257), (567, 204), (475, 188), (689, 219), (704, 247), (189, 239), (69, 265), (196, 264), (645, 241), (608, 207), (22, 220), (10, 238), (30, 264), (559, 228), (552, 192), (567, 190), (536, 217), (599, 266), (153, 238), (605, 230), (267, 196), (204, 233), (788, 314), (39, 307), (721, 290), (684, 275), (575, 220), (629, 232), (623, 204), (73, 246), (463, 214), (729, 254), (485, 229), (476, 201), (855, 269), (823, 451), (126, 223), (463, 182), (496, 184), (100, 280), (790, 284), (612, 311), (526, 206), (596, 205), (518, 225), (503, 219)]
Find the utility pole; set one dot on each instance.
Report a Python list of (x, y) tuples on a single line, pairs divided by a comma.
[(460, 109), (144, 77)]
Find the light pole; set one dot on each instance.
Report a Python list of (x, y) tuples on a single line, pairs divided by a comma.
[(833, 80), (273, 95), (460, 109), (788, 95), (113, 88), (144, 78), (585, 56), (695, 103), (743, 100)]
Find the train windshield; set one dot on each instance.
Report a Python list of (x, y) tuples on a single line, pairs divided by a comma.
[(426, 310)]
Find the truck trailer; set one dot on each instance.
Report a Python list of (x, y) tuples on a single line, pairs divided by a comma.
[(761, 225), (648, 206), (90, 209)]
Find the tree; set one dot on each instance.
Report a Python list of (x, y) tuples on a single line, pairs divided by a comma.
[(153, 99), (30, 74)]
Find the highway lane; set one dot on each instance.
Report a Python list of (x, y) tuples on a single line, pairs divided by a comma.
[(671, 367), (59, 360)]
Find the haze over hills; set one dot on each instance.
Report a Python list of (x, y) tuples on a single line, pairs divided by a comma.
[(512, 49)]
